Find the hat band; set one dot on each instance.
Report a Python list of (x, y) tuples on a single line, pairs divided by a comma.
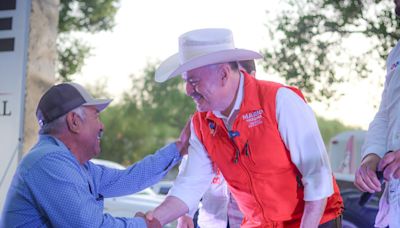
[(190, 52)]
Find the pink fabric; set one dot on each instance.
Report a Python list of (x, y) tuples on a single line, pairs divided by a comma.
[(382, 218)]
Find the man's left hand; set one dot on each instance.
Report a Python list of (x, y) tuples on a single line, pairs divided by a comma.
[(390, 164)]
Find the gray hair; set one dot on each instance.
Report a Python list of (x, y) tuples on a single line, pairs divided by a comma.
[(59, 125), (233, 65), (248, 65)]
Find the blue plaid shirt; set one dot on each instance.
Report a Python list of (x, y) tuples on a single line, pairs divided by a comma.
[(51, 189)]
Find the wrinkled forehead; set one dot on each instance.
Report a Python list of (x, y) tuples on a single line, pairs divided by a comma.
[(200, 72), (92, 109)]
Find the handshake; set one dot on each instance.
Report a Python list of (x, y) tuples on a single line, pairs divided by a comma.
[(151, 221)]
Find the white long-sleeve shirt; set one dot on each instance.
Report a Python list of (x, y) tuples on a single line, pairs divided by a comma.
[(300, 134), (384, 135), (217, 206), (384, 131)]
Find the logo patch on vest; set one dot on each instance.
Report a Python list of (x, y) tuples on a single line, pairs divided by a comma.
[(253, 118)]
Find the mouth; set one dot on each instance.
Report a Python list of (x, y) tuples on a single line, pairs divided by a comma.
[(196, 97), (100, 134)]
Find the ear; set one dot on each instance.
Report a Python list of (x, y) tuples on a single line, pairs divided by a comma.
[(73, 122), (224, 73)]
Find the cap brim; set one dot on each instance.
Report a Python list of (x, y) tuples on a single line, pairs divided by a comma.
[(100, 104), (171, 67)]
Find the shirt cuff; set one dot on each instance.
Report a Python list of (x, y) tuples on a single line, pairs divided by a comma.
[(192, 212), (138, 222), (190, 215), (318, 186), (374, 149), (190, 196)]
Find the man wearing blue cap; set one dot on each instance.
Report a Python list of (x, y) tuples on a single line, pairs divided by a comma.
[(56, 185)]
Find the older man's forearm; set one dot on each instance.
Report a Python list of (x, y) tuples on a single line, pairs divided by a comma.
[(169, 210), (313, 211)]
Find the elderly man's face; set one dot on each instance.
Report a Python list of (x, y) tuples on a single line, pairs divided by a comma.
[(91, 132), (204, 86)]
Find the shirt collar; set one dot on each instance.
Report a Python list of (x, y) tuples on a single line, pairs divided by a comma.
[(54, 140)]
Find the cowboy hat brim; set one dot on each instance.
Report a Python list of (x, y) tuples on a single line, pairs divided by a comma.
[(172, 67)]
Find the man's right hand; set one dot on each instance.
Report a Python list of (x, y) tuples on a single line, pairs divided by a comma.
[(183, 142), (366, 179), (185, 222)]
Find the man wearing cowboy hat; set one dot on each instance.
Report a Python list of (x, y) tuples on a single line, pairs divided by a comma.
[(261, 135), (218, 208)]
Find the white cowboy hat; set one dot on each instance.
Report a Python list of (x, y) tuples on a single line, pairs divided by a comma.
[(202, 47)]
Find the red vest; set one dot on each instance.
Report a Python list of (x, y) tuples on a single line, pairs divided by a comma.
[(255, 162)]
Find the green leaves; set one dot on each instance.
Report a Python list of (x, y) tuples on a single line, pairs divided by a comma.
[(309, 42), (330, 128), (87, 15), (71, 56), (149, 116), (80, 16)]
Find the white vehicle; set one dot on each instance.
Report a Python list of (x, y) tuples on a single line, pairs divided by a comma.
[(345, 156), (162, 187), (127, 206)]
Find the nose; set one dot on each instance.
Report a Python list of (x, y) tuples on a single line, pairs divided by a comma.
[(101, 125), (189, 89)]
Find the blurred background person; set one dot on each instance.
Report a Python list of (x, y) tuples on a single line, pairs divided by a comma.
[(381, 150)]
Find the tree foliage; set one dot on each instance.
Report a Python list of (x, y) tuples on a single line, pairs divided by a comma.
[(330, 128), (80, 16), (149, 116), (309, 42)]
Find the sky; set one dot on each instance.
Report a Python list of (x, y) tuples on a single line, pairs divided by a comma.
[(148, 31)]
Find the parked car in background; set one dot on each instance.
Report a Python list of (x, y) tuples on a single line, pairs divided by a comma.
[(162, 187), (345, 155), (127, 206)]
